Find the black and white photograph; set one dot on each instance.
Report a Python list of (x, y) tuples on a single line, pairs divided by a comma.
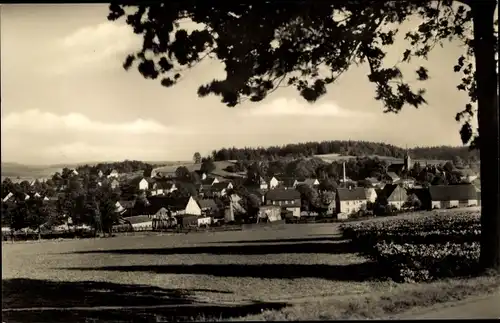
[(269, 161)]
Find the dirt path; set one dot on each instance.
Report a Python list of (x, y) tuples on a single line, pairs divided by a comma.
[(482, 307)]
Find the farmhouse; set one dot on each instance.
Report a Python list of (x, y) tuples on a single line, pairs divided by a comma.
[(160, 187), (287, 199), (207, 206), (467, 175), (269, 213), (350, 200), (447, 196), (371, 195), (114, 184), (140, 183), (123, 206), (373, 181), (312, 182), (395, 195), (113, 173), (209, 181), (221, 188), (263, 184), (140, 222)]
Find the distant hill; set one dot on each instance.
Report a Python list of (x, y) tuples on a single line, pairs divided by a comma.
[(344, 148), (28, 172)]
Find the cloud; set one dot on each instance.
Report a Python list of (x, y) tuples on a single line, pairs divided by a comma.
[(94, 45), (292, 107), (36, 121), (81, 151)]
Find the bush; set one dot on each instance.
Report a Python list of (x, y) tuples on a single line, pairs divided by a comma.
[(420, 249)]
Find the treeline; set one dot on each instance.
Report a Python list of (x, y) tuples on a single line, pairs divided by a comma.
[(127, 166), (342, 147)]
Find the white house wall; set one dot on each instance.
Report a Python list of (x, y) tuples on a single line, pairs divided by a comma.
[(351, 206), (143, 225), (295, 211), (143, 184), (192, 207), (397, 204), (273, 183)]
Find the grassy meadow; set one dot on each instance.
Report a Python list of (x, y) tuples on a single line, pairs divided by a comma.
[(304, 271)]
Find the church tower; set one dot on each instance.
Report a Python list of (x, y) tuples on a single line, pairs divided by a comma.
[(407, 160)]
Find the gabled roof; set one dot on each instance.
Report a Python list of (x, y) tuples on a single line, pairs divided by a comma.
[(207, 204), (353, 194), (393, 175), (138, 219), (282, 195), (136, 180), (372, 180), (174, 203), (453, 192), (208, 181), (310, 181), (389, 192), (127, 204), (164, 185), (286, 181), (205, 188), (220, 186)]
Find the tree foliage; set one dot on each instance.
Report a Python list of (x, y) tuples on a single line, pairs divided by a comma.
[(307, 45), (343, 147)]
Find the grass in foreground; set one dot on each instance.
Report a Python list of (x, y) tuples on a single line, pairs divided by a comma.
[(401, 298)]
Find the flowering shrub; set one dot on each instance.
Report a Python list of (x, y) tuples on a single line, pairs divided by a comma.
[(420, 249)]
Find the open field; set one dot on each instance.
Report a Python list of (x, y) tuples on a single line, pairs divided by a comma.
[(337, 157), (220, 165), (286, 271)]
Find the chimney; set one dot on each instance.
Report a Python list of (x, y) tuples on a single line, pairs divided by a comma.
[(343, 172)]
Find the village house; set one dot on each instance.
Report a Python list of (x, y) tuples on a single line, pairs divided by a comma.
[(273, 183), (123, 207), (114, 184), (392, 177), (350, 200), (207, 206), (140, 183), (74, 172), (395, 195), (113, 173), (374, 182), (467, 175), (371, 195), (100, 174), (448, 196), (222, 187), (407, 182), (269, 213), (287, 199), (205, 190), (140, 222), (209, 181), (263, 184), (160, 187), (312, 182)]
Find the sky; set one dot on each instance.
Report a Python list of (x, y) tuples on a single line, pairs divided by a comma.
[(67, 99)]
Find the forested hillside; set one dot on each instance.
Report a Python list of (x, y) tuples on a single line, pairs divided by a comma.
[(343, 147)]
